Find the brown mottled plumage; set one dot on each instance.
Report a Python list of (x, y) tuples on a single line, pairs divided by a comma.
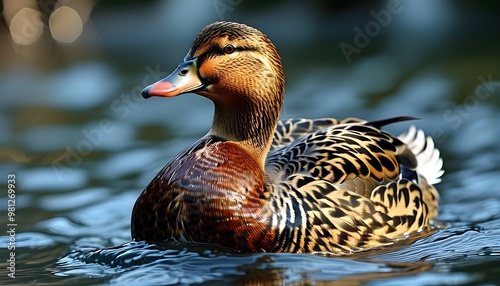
[(258, 184)]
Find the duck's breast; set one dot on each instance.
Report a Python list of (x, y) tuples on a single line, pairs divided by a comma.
[(213, 192)]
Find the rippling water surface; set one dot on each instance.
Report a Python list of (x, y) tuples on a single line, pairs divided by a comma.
[(83, 145)]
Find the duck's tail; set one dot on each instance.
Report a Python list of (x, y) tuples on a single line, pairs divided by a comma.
[(429, 162)]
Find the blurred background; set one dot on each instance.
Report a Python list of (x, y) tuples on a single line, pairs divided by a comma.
[(83, 143)]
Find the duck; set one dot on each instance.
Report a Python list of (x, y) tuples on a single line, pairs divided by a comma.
[(255, 183)]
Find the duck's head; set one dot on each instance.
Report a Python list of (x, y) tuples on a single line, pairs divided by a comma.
[(239, 69)]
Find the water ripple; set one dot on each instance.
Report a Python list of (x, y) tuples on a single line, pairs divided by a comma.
[(185, 263)]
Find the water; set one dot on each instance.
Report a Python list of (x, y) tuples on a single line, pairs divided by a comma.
[(83, 144)]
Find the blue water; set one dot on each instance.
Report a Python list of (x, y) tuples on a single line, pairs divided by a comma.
[(83, 143)]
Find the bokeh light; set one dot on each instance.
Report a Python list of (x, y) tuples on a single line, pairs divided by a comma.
[(65, 24), (26, 26)]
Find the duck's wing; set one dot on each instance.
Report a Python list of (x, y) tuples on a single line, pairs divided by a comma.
[(351, 187), (290, 130), (355, 156)]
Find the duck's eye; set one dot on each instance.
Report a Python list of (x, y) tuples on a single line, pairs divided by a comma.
[(229, 49)]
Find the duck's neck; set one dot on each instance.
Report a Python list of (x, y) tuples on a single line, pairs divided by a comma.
[(249, 122)]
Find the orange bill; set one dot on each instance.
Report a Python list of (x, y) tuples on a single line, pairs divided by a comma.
[(185, 78)]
